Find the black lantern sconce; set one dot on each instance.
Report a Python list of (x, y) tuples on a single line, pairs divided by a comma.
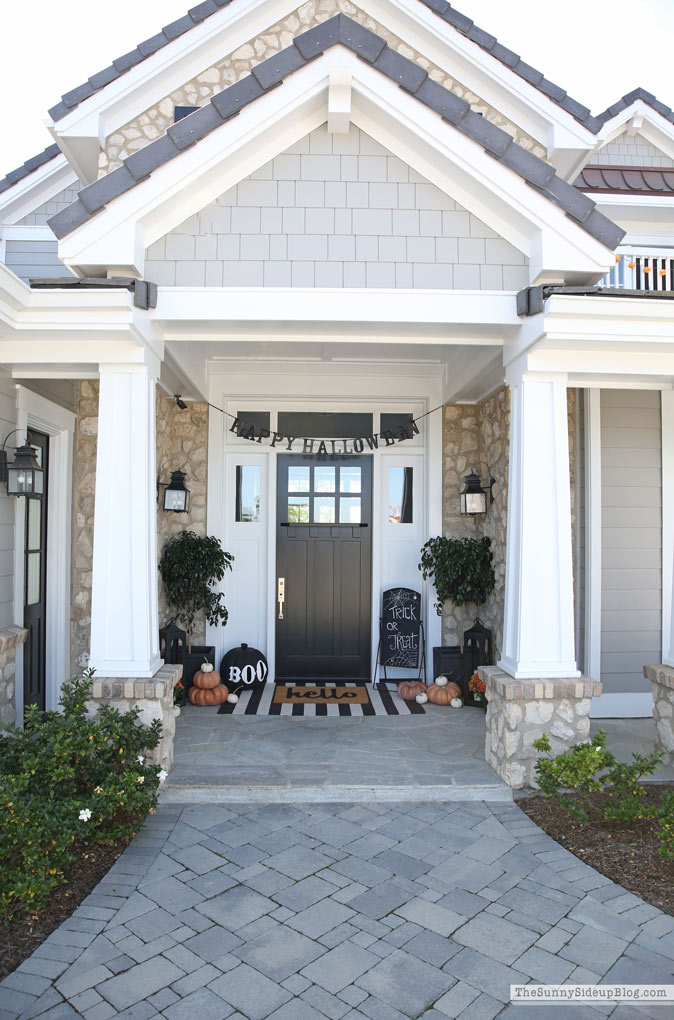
[(23, 476), (473, 499), (176, 496)]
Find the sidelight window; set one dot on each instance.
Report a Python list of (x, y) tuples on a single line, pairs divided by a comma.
[(247, 494), (400, 495)]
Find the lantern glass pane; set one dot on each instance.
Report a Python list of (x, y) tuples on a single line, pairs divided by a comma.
[(476, 502), (248, 494), (175, 499), (38, 482), (19, 480)]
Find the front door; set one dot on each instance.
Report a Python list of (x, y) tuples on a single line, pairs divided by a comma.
[(324, 565), (35, 583)]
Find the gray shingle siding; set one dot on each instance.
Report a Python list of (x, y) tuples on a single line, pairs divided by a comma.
[(336, 211), (39, 216), (36, 259)]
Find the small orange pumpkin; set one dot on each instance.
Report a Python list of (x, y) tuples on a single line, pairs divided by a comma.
[(443, 695), (206, 678), (208, 695), (409, 689)]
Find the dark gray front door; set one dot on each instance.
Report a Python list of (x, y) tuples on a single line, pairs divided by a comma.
[(324, 542), (35, 583)]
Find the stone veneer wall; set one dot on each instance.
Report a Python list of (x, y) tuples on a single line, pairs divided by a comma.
[(196, 92), (472, 434), (662, 685), (10, 637), (182, 444)]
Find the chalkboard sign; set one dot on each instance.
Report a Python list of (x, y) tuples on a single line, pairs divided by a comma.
[(400, 628)]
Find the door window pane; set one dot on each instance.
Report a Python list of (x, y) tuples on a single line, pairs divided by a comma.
[(33, 579), (349, 479), (324, 479), (298, 479), (324, 510), (349, 510), (298, 510), (248, 493), (34, 519), (400, 486)]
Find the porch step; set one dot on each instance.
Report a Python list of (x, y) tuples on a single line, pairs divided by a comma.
[(496, 792)]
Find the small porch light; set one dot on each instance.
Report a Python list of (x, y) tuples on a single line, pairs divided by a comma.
[(176, 496), (23, 476), (473, 499)]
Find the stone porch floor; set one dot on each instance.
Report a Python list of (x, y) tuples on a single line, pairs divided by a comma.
[(435, 756)]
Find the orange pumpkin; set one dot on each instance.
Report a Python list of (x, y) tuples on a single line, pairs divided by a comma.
[(410, 688), (208, 695), (443, 695), (206, 679)]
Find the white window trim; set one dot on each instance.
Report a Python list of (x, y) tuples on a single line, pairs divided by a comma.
[(34, 411)]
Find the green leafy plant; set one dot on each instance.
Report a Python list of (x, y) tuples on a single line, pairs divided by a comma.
[(189, 566), (570, 777), (666, 825), (66, 780), (460, 569)]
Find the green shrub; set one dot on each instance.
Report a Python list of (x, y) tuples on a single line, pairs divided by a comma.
[(64, 779), (570, 777), (666, 826)]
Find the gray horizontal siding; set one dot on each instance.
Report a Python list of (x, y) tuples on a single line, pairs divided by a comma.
[(631, 537), (36, 259), (336, 211)]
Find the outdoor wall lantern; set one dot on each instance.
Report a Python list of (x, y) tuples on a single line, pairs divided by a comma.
[(23, 476), (176, 496), (473, 499)]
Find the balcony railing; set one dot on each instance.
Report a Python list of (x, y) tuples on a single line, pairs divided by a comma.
[(640, 271)]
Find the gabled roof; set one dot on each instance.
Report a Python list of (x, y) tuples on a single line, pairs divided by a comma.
[(14, 176), (204, 10), (374, 50), (633, 180), (631, 97)]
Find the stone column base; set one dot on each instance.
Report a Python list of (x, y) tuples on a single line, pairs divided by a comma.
[(520, 711), (662, 684), (10, 637), (154, 697)]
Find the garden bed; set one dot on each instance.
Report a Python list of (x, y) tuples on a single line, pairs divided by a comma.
[(627, 854), (21, 937)]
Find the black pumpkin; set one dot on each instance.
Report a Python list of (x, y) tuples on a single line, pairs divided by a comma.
[(243, 667)]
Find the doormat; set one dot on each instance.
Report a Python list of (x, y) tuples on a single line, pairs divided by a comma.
[(299, 699)]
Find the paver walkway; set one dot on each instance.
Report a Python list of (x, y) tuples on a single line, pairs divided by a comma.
[(341, 911)]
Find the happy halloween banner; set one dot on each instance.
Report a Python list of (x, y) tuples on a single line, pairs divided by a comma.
[(324, 447)]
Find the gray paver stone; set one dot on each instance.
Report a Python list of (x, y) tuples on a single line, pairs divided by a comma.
[(298, 862), (600, 916), (303, 894), (544, 967), (340, 967), (133, 985), (601, 949), (320, 918), (431, 916), (484, 973), (405, 982), (251, 992), (458, 998), (237, 907), (203, 1004), (380, 901), (280, 952)]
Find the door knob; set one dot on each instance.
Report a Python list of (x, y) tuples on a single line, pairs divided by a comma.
[(281, 595)]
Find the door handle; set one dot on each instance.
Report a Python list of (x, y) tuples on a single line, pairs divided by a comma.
[(281, 595)]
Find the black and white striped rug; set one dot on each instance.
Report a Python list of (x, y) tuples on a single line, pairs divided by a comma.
[(380, 701)]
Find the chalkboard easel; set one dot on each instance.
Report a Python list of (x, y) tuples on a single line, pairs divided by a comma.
[(402, 640)]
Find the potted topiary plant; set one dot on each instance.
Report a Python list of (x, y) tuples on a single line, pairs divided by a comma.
[(462, 572), (189, 566)]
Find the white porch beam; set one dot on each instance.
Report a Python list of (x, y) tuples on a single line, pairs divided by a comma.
[(538, 639), (124, 619)]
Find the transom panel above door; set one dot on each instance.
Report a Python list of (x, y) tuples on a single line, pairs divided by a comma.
[(324, 566)]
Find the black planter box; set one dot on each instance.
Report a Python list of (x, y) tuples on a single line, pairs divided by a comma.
[(192, 661), (448, 659)]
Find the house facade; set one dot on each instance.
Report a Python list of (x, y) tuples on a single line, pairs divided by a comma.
[(371, 250)]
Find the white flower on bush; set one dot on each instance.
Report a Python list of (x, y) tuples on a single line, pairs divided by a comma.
[(141, 779), (140, 759), (161, 775), (85, 814)]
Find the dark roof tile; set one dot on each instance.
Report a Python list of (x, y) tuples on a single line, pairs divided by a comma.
[(141, 164), (457, 20), (482, 38), (231, 100), (104, 77), (271, 72), (438, 6), (402, 71), (32, 164), (129, 60), (202, 11), (75, 96), (68, 219), (625, 180), (529, 73), (190, 129), (97, 195), (59, 111), (178, 27), (314, 42), (444, 102), (551, 90), (506, 56), (488, 135), (361, 41), (151, 45)]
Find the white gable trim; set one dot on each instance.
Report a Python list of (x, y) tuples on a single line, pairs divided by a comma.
[(119, 234), (35, 189), (647, 122)]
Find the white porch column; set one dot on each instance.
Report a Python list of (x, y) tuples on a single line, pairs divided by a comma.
[(667, 410), (124, 621), (538, 639)]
